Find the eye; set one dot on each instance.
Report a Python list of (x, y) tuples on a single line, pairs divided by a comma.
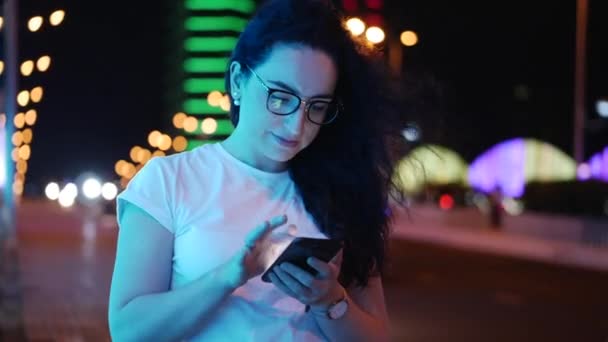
[(320, 106), (276, 102)]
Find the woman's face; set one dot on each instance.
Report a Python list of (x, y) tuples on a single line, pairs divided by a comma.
[(303, 71)]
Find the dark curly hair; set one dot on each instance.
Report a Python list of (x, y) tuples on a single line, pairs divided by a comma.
[(345, 175)]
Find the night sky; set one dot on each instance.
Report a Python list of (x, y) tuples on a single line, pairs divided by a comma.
[(103, 93)]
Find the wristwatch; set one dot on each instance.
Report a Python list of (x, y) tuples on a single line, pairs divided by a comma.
[(336, 310)]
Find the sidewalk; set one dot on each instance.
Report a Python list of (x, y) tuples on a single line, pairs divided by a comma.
[(536, 237)]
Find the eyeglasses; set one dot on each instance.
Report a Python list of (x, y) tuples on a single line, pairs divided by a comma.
[(281, 102)]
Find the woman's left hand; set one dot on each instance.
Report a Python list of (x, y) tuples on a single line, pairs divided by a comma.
[(317, 291)]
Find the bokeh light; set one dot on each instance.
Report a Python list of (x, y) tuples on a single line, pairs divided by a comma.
[(179, 144), (43, 63), (21, 166), (57, 17), (91, 188), (225, 103), (23, 98), (602, 108), (52, 191), (409, 38), (375, 34), (35, 23), (119, 167), (214, 98), (190, 124), (17, 138), (36, 94), (209, 126), (356, 26), (134, 153), (28, 135), (109, 191), (165, 143), (30, 117), (19, 120), (25, 151), (27, 68), (153, 138), (178, 120)]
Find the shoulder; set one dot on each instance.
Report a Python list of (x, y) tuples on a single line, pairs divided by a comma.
[(181, 163)]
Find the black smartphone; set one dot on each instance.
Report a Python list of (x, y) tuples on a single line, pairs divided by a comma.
[(300, 249)]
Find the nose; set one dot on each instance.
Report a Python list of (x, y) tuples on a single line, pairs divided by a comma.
[(296, 121)]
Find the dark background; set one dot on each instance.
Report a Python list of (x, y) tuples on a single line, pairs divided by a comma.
[(104, 90)]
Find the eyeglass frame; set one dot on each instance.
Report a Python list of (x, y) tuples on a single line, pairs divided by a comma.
[(306, 102)]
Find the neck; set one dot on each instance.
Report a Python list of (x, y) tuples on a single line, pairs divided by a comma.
[(247, 152)]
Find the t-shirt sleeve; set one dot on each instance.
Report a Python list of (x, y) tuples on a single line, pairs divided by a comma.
[(150, 191)]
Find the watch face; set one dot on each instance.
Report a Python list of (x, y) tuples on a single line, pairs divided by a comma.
[(338, 310)]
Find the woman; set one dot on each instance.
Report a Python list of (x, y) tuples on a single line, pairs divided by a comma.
[(309, 157)]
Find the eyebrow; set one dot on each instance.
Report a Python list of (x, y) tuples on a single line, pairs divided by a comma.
[(290, 89)]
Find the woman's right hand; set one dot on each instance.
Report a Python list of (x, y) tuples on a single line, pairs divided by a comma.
[(249, 261)]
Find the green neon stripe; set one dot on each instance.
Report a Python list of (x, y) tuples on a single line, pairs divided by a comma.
[(210, 44), (204, 24), (206, 64), (194, 143), (201, 106), (203, 85), (245, 6)]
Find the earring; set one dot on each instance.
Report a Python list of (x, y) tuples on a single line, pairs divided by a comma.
[(237, 102)]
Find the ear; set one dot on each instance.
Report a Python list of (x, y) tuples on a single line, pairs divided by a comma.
[(236, 78)]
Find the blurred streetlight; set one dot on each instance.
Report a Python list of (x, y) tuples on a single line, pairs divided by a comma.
[(57, 17), (91, 188), (35, 23), (36, 94), (375, 34), (409, 38), (356, 26), (23, 98), (214, 98), (178, 120), (209, 126), (179, 144), (109, 191), (165, 142), (27, 68), (43, 63), (30, 117), (52, 191), (225, 103), (153, 138), (602, 107), (190, 124)]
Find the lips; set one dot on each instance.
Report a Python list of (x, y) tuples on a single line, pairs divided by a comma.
[(285, 142)]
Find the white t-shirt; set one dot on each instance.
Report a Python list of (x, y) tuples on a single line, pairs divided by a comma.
[(210, 200)]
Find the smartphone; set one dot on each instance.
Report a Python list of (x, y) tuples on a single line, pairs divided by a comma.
[(300, 249)]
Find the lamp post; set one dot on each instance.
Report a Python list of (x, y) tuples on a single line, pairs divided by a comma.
[(582, 10)]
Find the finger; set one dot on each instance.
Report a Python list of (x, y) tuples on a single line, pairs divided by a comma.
[(305, 278), (280, 285), (323, 269), (337, 260), (292, 283), (261, 231)]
